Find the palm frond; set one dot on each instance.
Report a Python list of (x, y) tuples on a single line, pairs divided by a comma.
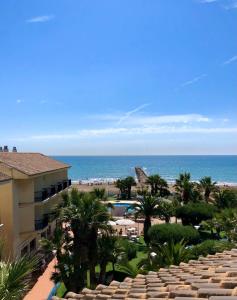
[(15, 277)]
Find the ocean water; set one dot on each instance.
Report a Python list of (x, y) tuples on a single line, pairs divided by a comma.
[(222, 169)]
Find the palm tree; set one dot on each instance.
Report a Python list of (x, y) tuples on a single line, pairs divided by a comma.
[(152, 181), (108, 251), (184, 187), (147, 206), (225, 199), (15, 277), (120, 184), (99, 193), (129, 182), (227, 220), (125, 186), (158, 185), (166, 210), (76, 245), (207, 186), (163, 188), (126, 267), (165, 255)]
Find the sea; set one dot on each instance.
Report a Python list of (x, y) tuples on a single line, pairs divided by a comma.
[(222, 168)]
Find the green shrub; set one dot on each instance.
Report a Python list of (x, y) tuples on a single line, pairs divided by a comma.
[(226, 198), (210, 247), (161, 233), (195, 213), (129, 248)]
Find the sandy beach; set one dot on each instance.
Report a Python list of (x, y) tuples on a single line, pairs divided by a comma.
[(110, 187)]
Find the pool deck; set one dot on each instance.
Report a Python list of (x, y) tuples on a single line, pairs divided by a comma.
[(123, 201)]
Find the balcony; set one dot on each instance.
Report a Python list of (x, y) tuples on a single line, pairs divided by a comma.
[(52, 190), (41, 224), (51, 216)]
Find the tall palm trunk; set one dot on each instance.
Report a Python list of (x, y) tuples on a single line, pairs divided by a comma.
[(129, 192), (102, 272), (152, 189), (207, 195), (92, 244), (77, 282), (147, 225)]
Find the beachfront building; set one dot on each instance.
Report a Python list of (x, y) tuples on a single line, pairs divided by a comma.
[(30, 190)]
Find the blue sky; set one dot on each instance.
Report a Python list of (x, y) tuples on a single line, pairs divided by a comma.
[(119, 77)]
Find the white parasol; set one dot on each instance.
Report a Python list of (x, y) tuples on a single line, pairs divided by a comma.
[(111, 223), (125, 222)]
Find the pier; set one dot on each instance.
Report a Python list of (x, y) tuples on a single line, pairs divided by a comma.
[(141, 175)]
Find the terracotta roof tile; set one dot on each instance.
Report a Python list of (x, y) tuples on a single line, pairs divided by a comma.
[(178, 282), (31, 163)]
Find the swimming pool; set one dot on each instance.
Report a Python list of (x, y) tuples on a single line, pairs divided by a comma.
[(121, 204)]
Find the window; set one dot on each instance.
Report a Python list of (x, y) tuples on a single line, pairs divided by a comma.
[(33, 245), (43, 235), (24, 251)]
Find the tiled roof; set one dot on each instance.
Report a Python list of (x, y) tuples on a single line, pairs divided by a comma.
[(213, 277), (31, 163), (4, 177)]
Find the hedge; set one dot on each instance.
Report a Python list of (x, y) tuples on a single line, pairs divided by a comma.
[(161, 233), (210, 247), (195, 213)]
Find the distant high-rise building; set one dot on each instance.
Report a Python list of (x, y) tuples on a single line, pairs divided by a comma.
[(5, 149)]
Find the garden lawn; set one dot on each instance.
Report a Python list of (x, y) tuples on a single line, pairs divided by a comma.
[(140, 255), (61, 290)]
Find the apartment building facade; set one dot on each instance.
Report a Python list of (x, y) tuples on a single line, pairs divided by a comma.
[(31, 186)]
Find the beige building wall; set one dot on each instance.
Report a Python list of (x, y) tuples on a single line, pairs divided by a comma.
[(49, 179), (9, 219), (18, 210)]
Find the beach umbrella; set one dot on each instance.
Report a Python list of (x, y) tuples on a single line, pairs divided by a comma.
[(125, 222), (111, 223), (132, 229)]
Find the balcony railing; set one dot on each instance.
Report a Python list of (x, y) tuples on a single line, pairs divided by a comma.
[(41, 224), (52, 190), (51, 216), (46, 219)]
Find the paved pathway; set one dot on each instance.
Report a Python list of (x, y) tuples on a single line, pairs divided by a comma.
[(43, 286)]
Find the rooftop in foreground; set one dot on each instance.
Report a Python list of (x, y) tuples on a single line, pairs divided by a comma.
[(213, 277), (31, 163)]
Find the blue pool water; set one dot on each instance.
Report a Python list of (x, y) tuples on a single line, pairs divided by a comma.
[(121, 204)]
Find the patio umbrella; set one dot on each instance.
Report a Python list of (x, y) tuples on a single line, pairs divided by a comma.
[(132, 228), (125, 222), (111, 223)]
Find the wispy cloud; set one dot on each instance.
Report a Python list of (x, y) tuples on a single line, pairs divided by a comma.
[(19, 101), (104, 132), (131, 112), (226, 4), (43, 101), (230, 60), (194, 80), (143, 126), (208, 1), (40, 19), (231, 5), (147, 120)]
